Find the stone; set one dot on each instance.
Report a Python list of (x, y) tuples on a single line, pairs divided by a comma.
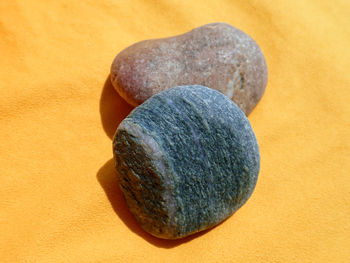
[(216, 55), (186, 159)]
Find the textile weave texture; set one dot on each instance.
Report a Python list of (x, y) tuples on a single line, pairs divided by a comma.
[(59, 198)]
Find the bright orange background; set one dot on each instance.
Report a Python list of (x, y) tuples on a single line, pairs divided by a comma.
[(59, 200)]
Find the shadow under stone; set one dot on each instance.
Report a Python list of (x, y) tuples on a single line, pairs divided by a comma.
[(113, 108)]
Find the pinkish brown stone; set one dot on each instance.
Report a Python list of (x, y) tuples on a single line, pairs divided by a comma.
[(216, 55)]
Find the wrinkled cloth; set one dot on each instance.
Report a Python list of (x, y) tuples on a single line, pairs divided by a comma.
[(59, 199)]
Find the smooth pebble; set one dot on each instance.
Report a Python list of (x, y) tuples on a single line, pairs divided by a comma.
[(216, 55), (186, 159)]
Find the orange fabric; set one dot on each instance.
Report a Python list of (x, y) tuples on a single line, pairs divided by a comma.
[(59, 200)]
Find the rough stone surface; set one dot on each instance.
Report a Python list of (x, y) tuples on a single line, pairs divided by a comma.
[(186, 159), (216, 55)]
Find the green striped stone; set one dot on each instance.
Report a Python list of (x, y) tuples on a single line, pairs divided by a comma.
[(186, 159)]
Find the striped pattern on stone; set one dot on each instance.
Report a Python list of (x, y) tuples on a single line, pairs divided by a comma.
[(186, 159)]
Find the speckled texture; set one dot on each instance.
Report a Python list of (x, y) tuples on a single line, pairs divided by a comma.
[(187, 159), (216, 55)]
